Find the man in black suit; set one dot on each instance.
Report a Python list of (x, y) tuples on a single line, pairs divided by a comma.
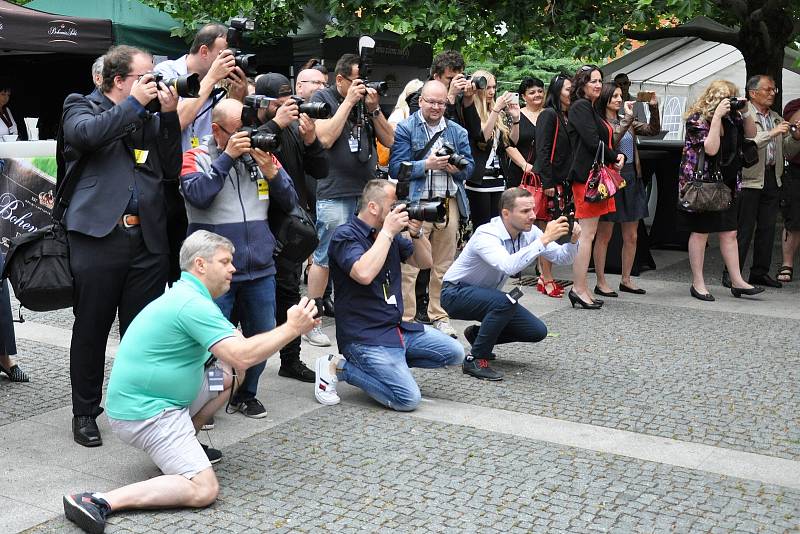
[(121, 155)]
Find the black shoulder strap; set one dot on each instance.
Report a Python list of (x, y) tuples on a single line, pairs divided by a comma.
[(420, 153), (66, 182)]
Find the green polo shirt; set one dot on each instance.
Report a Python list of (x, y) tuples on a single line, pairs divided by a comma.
[(160, 361)]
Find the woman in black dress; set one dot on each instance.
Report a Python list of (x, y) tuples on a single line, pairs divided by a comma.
[(713, 127), (523, 153)]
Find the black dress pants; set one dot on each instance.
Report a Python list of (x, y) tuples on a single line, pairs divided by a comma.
[(287, 294), (113, 274), (758, 212)]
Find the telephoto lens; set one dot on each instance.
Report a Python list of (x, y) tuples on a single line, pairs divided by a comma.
[(381, 87), (266, 141), (315, 110)]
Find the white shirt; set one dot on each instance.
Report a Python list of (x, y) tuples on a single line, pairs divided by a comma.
[(491, 256), (8, 130), (201, 126)]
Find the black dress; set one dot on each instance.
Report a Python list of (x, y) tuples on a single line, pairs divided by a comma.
[(728, 159), (8, 341), (527, 148)]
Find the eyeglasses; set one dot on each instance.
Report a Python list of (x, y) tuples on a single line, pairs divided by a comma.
[(773, 90), (315, 82), (434, 103), (138, 76)]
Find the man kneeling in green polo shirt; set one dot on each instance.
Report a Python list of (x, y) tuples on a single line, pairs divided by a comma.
[(160, 392)]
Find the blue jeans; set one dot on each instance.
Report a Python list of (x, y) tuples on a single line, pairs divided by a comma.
[(384, 374), (254, 301), (331, 214), (501, 321)]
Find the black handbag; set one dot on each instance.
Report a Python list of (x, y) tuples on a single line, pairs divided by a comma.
[(295, 235), (37, 263), (705, 192)]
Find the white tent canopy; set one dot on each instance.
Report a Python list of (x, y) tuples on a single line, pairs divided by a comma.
[(679, 70)]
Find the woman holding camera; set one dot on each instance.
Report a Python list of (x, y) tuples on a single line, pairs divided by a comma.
[(588, 132), (630, 201), (714, 127), (552, 161), (492, 126)]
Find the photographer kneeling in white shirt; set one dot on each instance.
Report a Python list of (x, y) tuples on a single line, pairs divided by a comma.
[(472, 288)]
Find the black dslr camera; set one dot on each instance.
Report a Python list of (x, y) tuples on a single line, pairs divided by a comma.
[(187, 86), (737, 104), (247, 62), (455, 159), (261, 138), (478, 82), (422, 210), (315, 110)]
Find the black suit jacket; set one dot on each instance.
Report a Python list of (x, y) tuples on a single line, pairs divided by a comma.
[(586, 130), (107, 135), (557, 172)]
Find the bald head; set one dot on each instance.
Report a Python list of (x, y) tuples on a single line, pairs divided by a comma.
[(432, 102), (309, 81), (226, 118)]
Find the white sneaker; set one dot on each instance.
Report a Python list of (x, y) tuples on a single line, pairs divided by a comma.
[(317, 337), (325, 381), (444, 327)]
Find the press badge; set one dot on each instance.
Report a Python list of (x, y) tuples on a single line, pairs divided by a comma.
[(353, 142), (391, 300), (263, 189), (216, 379), (140, 156), (195, 142)]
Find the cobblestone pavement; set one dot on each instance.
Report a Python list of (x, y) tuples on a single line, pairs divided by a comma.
[(735, 388), (350, 469)]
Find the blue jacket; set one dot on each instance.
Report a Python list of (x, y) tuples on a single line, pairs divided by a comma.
[(221, 198), (410, 136)]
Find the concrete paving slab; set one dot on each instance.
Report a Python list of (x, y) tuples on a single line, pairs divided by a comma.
[(25, 515)]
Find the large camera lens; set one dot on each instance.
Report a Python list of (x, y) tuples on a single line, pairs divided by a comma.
[(266, 141), (479, 82), (185, 86), (316, 110), (381, 87), (427, 211), (248, 63), (459, 161)]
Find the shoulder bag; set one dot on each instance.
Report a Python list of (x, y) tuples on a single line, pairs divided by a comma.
[(604, 180), (533, 183), (705, 192)]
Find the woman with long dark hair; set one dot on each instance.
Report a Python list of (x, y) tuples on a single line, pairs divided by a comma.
[(490, 128), (588, 130), (715, 129), (523, 153), (552, 163), (630, 201)]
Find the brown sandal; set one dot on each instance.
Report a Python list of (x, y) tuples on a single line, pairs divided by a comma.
[(785, 274)]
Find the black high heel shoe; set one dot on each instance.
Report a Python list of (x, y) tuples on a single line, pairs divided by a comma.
[(573, 298), (739, 291)]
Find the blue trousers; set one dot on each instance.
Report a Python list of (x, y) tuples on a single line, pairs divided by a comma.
[(384, 374), (254, 301), (501, 321)]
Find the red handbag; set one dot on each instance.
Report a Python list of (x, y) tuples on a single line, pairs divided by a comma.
[(604, 180), (533, 183)]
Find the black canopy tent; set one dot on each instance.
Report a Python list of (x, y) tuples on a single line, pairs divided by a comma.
[(46, 57)]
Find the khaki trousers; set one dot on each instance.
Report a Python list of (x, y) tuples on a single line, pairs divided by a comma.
[(443, 249)]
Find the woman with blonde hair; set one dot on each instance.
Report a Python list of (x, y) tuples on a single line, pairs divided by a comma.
[(493, 125), (401, 110), (715, 127)]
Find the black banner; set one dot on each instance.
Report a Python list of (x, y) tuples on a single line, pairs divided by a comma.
[(26, 196)]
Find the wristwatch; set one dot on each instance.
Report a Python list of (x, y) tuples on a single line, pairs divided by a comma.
[(374, 113)]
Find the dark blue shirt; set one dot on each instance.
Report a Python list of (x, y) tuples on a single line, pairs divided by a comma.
[(363, 314)]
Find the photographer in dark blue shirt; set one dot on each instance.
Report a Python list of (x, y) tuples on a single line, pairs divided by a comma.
[(378, 346)]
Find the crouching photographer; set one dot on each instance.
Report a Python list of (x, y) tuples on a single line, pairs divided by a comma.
[(473, 286), (161, 391), (439, 153), (379, 348)]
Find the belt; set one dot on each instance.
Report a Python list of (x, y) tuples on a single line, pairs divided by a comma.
[(128, 220)]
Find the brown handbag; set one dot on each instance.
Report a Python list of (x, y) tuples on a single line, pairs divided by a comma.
[(705, 192)]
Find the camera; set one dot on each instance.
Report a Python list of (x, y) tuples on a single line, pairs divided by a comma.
[(252, 103), (380, 87), (366, 48), (247, 62), (187, 86), (478, 82), (315, 110), (265, 140), (455, 159), (737, 104), (422, 210)]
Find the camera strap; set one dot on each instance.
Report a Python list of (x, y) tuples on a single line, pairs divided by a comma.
[(216, 96)]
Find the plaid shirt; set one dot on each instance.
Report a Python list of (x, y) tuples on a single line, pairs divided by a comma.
[(439, 183)]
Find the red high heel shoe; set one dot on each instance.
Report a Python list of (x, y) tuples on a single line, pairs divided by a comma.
[(552, 289)]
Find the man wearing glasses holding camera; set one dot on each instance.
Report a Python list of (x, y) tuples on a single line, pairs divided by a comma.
[(434, 176), (350, 138), (121, 157), (227, 195)]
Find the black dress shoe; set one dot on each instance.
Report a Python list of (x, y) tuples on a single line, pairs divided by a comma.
[(707, 297), (327, 305), (739, 291), (764, 280), (297, 370), (574, 298), (626, 289), (85, 431), (726, 279), (598, 291)]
